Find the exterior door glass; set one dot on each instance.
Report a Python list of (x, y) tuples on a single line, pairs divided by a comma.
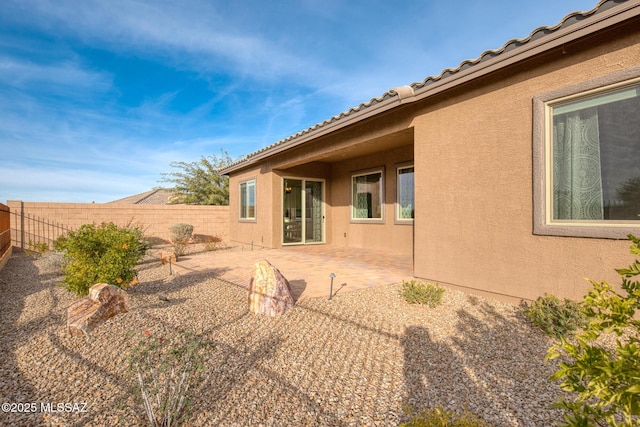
[(292, 212), (303, 211), (313, 212)]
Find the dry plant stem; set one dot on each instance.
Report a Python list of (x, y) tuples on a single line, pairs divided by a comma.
[(170, 393), (145, 398)]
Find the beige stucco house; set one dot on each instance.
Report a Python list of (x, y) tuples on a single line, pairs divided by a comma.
[(512, 175)]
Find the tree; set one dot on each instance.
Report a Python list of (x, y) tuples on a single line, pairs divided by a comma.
[(199, 183)]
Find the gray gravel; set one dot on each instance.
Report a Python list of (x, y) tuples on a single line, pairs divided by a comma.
[(358, 360)]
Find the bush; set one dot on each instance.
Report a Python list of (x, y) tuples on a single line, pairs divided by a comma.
[(415, 292), (166, 369), (181, 233), (555, 317), (439, 417), (605, 380), (39, 247), (100, 254)]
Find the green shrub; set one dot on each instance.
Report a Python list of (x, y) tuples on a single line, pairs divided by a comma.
[(39, 247), (415, 292), (604, 380), (100, 254), (181, 233), (557, 318), (439, 417)]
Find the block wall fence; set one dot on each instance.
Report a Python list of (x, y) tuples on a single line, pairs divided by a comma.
[(42, 221)]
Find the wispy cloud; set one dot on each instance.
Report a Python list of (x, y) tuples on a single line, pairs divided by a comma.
[(58, 76), (211, 40)]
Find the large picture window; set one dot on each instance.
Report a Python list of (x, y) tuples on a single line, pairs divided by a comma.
[(248, 200), (405, 205), (589, 163), (367, 196)]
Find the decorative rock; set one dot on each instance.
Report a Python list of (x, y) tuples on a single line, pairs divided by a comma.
[(269, 290), (166, 257), (104, 301)]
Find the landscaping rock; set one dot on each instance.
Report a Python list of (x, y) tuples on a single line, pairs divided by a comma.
[(269, 290), (104, 301), (166, 257)]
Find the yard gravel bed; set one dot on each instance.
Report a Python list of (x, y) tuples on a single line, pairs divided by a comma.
[(362, 359)]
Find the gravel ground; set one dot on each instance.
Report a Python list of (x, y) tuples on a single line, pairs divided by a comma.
[(358, 360)]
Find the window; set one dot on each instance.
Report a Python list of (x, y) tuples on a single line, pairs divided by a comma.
[(591, 162), (367, 197), (248, 200), (405, 200)]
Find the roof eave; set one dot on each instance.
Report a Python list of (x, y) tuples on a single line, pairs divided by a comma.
[(449, 78), (529, 49), (378, 108)]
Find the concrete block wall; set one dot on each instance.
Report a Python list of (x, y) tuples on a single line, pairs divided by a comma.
[(155, 220)]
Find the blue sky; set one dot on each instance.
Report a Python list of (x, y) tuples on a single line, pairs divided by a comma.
[(97, 98)]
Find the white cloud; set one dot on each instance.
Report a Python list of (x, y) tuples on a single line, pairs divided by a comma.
[(171, 29), (20, 73)]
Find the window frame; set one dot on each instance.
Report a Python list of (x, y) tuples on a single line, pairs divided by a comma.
[(543, 223), (247, 218), (398, 220), (372, 171)]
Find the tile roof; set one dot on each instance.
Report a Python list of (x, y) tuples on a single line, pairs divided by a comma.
[(153, 197), (538, 39)]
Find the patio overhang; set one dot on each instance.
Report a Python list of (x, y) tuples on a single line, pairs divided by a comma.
[(344, 150)]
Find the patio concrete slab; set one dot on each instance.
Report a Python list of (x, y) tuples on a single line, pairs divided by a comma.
[(307, 268)]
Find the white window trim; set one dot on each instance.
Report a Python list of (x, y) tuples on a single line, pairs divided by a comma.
[(255, 200), (398, 220), (372, 171), (543, 224)]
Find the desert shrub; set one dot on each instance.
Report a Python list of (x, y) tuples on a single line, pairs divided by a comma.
[(39, 247), (166, 368), (438, 417), (415, 292), (556, 318), (181, 233), (102, 253), (604, 380)]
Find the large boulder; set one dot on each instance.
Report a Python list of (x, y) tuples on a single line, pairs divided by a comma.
[(104, 302), (269, 290)]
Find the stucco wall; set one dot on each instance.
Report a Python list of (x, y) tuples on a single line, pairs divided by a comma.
[(258, 232), (473, 159), (397, 238)]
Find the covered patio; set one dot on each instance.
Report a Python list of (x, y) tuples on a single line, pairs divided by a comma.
[(307, 268)]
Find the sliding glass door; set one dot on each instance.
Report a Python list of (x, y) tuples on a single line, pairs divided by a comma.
[(303, 211)]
